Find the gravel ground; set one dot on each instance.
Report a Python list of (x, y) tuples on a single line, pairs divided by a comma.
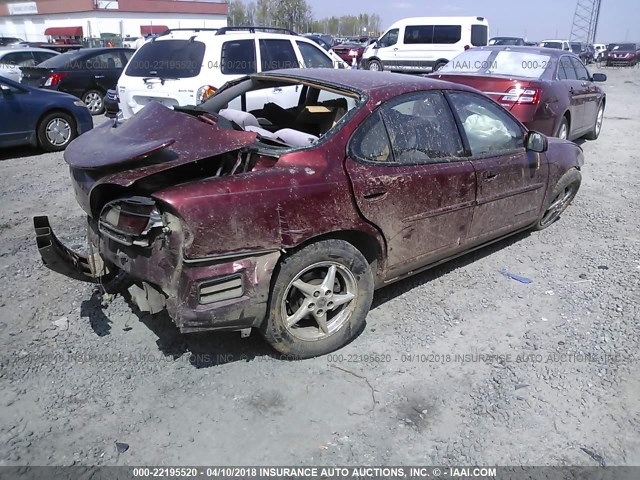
[(459, 365)]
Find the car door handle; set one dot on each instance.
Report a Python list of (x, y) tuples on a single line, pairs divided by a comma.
[(98, 76), (585, 84), (489, 175), (374, 194), (395, 49)]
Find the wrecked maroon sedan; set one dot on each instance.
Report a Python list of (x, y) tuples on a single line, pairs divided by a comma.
[(285, 219)]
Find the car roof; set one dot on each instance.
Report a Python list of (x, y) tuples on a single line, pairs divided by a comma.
[(554, 52), (233, 35), (364, 81)]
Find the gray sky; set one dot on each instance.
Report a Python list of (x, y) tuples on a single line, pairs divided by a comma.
[(540, 19)]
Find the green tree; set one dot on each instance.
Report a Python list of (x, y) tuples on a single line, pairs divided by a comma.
[(237, 13)]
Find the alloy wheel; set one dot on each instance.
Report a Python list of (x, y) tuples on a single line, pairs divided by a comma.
[(319, 300), (599, 120), (559, 204), (564, 131)]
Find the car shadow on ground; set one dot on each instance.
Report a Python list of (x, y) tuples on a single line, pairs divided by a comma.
[(210, 349), (19, 152)]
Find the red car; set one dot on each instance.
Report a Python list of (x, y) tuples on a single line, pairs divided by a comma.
[(549, 90), (287, 219), (623, 55), (352, 48)]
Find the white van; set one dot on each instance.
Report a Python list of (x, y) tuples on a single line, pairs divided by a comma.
[(424, 44), (186, 66)]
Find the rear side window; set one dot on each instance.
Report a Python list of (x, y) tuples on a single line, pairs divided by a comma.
[(371, 141), (276, 54), (42, 56), (167, 59), (314, 57), (566, 70), (238, 57), (480, 34), (18, 59), (447, 34), (442, 34), (105, 61), (581, 71)]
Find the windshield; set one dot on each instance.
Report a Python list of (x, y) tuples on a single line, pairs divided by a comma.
[(167, 59), (498, 62), (625, 47), (556, 45)]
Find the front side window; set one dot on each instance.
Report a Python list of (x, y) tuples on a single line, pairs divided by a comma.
[(390, 38), (489, 129), (314, 57), (277, 54), (238, 57)]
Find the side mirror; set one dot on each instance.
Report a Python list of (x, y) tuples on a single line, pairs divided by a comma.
[(536, 142), (6, 91), (599, 77)]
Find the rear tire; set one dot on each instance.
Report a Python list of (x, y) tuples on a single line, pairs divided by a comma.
[(55, 131), (94, 100), (320, 299), (597, 124), (561, 197)]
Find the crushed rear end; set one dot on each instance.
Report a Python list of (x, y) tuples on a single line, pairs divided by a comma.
[(140, 239)]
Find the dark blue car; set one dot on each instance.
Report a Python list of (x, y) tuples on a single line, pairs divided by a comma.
[(32, 116)]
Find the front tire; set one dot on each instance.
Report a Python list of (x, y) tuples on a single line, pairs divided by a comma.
[(561, 197), (597, 125), (439, 65), (563, 129), (320, 299), (55, 131), (94, 100), (375, 65)]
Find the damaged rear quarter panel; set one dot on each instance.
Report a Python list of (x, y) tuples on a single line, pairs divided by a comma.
[(306, 194)]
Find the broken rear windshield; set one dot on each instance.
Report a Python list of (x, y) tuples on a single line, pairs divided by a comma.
[(167, 59)]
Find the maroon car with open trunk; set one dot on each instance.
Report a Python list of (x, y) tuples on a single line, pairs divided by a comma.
[(549, 90), (286, 218)]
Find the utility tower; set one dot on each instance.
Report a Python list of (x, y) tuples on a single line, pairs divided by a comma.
[(585, 21)]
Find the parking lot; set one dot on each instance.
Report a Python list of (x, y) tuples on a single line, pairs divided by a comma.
[(458, 365)]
